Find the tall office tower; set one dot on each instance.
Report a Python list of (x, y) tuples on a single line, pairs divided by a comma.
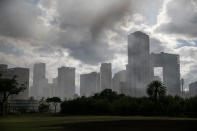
[(124, 88), (171, 71), (49, 90), (106, 76), (66, 82), (139, 67), (193, 89), (118, 79), (55, 85), (89, 84), (22, 78), (39, 80)]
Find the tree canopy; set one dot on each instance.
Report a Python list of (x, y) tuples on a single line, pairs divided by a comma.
[(156, 89), (9, 87), (54, 100), (110, 103)]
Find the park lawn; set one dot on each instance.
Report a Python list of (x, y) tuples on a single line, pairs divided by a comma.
[(47, 122)]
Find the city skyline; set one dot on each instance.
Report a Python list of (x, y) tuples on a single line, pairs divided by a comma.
[(51, 38), (98, 65), (133, 81)]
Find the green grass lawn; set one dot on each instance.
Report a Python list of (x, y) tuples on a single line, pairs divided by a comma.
[(47, 122)]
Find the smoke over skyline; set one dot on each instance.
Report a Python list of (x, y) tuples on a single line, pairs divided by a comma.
[(85, 33)]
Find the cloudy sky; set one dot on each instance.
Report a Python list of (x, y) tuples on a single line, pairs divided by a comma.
[(84, 33)]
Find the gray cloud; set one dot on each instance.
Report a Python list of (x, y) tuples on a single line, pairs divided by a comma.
[(156, 45), (85, 29), (19, 19), (8, 48), (182, 18), (88, 30), (82, 26)]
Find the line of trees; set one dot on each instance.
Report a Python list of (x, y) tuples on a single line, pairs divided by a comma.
[(111, 103)]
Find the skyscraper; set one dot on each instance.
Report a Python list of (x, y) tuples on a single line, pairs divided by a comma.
[(89, 84), (171, 71), (118, 78), (22, 77), (66, 82), (193, 89), (139, 66), (39, 80), (55, 86), (106, 76)]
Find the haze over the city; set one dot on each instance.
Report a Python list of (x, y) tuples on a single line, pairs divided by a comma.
[(98, 65), (84, 34)]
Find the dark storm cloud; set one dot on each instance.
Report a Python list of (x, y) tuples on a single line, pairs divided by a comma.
[(183, 18), (81, 27), (18, 19), (96, 15), (114, 14), (86, 24), (85, 49)]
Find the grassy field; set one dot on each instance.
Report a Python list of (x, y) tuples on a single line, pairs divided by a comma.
[(74, 123)]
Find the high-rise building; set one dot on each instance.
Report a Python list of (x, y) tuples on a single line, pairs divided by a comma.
[(55, 87), (49, 90), (66, 82), (39, 80), (118, 79), (157, 78), (106, 76), (171, 71), (124, 89), (22, 78), (89, 84), (193, 89), (139, 67)]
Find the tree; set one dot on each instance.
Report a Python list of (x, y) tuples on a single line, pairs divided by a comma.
[(54, 100), (9, 87), (43, 106), (107, 94), (156, 89)]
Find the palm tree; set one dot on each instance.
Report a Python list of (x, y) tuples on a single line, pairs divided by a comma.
[(156, 89)]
